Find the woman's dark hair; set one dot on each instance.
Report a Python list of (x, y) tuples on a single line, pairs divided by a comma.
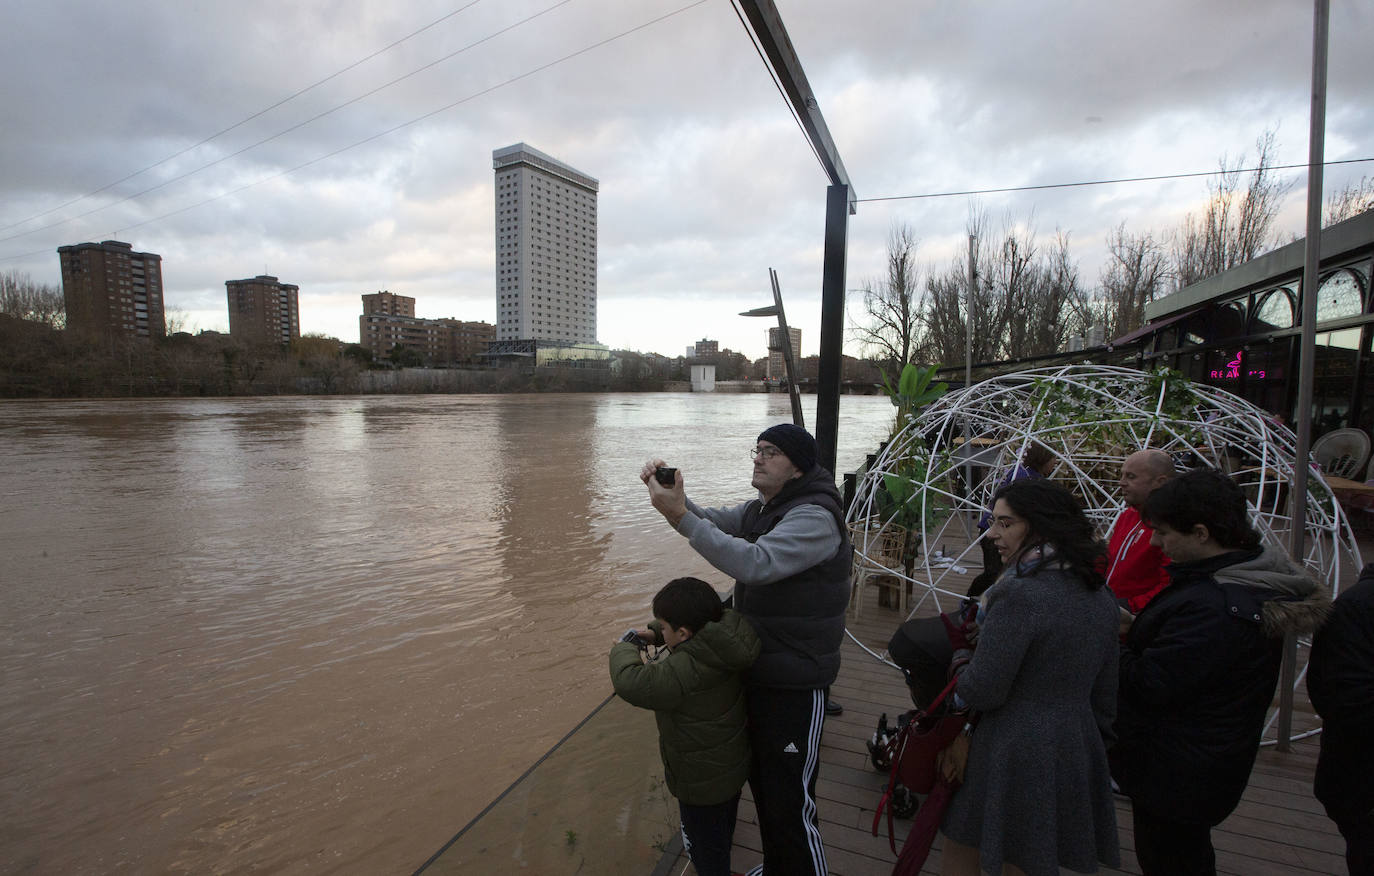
[(1036, 456), (1053, 515), (688, 602), (1204, 496)]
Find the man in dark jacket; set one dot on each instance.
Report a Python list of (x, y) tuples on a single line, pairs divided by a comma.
[(1199, 667), (789, 555), (1340, 682)]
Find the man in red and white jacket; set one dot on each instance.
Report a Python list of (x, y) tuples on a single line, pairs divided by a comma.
[(1135, 568)]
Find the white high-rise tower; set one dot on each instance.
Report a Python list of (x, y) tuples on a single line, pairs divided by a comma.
[(545, 248)]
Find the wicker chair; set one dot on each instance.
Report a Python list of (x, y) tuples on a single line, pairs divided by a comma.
[(877, 562), (1341, 452)]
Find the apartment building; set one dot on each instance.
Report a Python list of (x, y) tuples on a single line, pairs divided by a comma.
[(468, 341), (388, 304), (389, 320), (111, 291), (705, 348), (777, 367), (263, 310)]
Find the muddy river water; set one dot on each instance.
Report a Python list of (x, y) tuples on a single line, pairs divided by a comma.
[(318, 635)]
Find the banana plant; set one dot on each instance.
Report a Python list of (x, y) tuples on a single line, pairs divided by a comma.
[(914, 390), (900, 500)]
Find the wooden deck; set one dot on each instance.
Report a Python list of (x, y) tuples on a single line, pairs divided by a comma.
[(1278, 828)]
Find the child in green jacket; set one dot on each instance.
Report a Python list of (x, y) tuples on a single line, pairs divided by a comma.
[(697, 693)]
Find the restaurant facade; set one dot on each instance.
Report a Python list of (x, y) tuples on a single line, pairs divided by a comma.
[(1241, 331)]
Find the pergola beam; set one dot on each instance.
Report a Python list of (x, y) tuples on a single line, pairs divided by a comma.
[(841, 203), (777, 46)]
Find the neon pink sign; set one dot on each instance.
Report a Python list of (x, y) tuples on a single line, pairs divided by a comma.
[(1232, 370)]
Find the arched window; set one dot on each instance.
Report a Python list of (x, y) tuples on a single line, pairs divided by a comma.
[(1341, 296), (1274, 311)]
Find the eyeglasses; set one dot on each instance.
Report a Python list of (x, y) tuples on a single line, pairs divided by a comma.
[(765, 452)]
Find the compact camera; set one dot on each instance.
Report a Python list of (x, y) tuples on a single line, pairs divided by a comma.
[(633, 638), (665, 475)]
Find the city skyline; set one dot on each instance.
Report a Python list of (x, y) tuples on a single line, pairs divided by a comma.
[(378, 176)]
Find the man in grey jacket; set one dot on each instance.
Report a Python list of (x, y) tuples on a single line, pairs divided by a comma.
[(789, 555)]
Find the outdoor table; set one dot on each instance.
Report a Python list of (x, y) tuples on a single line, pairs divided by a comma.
[(1346, 485), (1356, 497)]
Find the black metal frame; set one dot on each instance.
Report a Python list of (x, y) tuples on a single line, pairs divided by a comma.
[(840, 204)]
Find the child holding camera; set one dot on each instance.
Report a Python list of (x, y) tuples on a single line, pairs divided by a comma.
[(697, 694)]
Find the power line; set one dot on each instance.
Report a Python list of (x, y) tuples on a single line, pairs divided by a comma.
[(772, 74), (1105, 182), (241, 122), (395, 128), (295, 127)]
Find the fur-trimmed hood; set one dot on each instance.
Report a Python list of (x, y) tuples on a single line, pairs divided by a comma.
[(1287, 596)]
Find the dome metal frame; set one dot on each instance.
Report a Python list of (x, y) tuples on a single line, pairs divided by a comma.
[(1090, 417)]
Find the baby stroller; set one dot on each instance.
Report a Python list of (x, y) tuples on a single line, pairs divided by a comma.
[(922, 649)]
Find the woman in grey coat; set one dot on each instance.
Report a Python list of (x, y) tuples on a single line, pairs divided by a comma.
[(1036, 793)]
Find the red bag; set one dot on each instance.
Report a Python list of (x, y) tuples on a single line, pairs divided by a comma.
[(914, 750)]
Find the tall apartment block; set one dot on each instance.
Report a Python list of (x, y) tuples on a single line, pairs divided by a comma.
[(545, 248), (112, 291), (777, 368), (263, 309)]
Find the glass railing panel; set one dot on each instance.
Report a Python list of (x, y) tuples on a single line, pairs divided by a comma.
[(596, 803)]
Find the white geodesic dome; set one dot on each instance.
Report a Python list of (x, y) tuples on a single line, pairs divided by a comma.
[(958, 450)]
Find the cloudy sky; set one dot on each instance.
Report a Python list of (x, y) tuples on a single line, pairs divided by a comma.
[(192, 130)]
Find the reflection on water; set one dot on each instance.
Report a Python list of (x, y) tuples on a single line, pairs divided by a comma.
[(545, 506), (318, 634)]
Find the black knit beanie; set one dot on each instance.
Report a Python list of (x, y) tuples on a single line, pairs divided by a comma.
[(795, 442)]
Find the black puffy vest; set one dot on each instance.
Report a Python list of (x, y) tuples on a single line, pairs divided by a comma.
[(799, 619)]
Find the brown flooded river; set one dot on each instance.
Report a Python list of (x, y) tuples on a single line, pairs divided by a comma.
[(318, 635)]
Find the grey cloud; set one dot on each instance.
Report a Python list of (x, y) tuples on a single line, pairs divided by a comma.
[(705, 180)]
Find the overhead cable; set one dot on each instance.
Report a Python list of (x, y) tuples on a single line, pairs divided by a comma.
[(295, 127), (1105, 182), (245, 120), (394, 128), (776, 84)]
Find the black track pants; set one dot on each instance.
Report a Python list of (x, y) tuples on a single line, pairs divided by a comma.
[(785, 732)]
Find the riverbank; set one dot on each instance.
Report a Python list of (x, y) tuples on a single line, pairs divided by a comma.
[(38, 362)]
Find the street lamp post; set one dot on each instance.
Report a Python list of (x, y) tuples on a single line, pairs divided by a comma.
[(788, 354)]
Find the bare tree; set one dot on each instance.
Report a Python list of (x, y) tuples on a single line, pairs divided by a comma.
[(1016, 277), (1061, 289), (1026, 300), (321, 357), (891, 304), (1037, 290), (1136, 273), (22, 298), (942, 316), (945, 315), (1234, 227), (1351, 201), (176, 319)]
